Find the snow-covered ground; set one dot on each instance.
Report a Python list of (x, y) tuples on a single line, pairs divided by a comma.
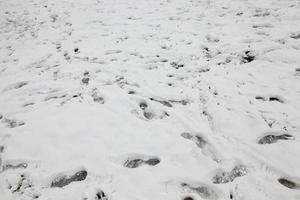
[(149, 99)]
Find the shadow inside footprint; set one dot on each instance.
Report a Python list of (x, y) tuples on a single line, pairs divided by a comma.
[(204, 192), (288, 183), (271, 98), (134, 163), (188, 198), (270, 139), (100, 195), (248, 56), (200, 141), (165, 103), (64, 180)]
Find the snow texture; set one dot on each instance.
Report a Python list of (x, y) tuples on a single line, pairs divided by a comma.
[(149, 99)]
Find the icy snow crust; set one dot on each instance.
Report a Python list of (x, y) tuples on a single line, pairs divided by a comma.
[(143, 100)]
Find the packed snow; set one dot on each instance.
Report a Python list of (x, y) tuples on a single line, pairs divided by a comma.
[(149, 99)]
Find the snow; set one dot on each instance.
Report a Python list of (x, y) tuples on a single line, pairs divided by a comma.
[(184, 91)]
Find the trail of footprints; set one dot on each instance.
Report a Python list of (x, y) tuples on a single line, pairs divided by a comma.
[(203, 191), (146, 112), (203, 144)]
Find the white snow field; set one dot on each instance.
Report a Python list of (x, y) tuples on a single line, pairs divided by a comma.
[(149, 99)]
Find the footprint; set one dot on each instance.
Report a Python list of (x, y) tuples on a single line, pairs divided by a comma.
[(20, 184), (13, 123), (182, 102), (266, 25), (109, 52), (53, 18), (270, 98), (168, 103), (131, 92), (226, 177), (63, 179), (67, 56), (295, 35), (85, 80), (212, 39), (100, 195), (97, 97), (203, 144), (248, 56), (55, 96), (14, 165), (139, 161), (16, 85), (20, 84), (288, 183), (297, 71), (148, 113), (165, 103), (28, 104), (203, 191), (273, 137), (176, 65)]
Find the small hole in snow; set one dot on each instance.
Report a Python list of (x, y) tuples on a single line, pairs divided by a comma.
[(188, 198)]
